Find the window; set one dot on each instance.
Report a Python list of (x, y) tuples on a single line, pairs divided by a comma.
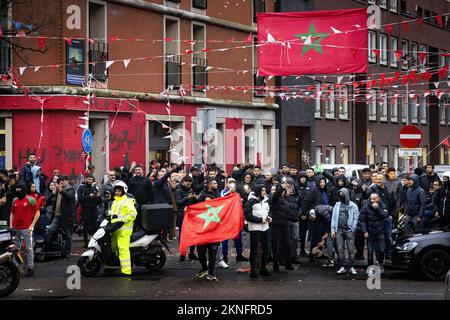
[(318, 110), (249, 144), (373, 105), (171, 53), (383, 49), (442, 154), (345, 155), (383, 4), (414, 56), (394, 47), (419, 11), (394, 156), (394, 109), (330, 155), (403, 6), (423, 110), (384, 109), (442, 111), (405, 110), (423, 64), (259, 87), (98, 51), (372, 45), (199, 4), (444, 61), (448, 111), (5, 48), (342, 102), (199, 62), (329, 104), (258, 6), (394, 5), (405, 51), (384, 154), (414, 111), (424, 155), (318, 154)]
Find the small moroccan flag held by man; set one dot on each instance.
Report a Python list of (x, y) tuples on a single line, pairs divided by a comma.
[(212, 221), (312, 42)]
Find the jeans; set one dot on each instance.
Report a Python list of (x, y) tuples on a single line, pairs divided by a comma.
[(280, 244), (375, 243), (346, 239), (294, 235), (237, 243), (256, 238), (28, 246), (359, 244), (388, 236), (410, 224), (330, 247), (212, 250), (53, 228)]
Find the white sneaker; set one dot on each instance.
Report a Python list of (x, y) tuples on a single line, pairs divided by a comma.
[(223, 264), (353, 271), (341, 271)]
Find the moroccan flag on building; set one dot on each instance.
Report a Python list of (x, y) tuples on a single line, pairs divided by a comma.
[(212, 221), (312, 42)]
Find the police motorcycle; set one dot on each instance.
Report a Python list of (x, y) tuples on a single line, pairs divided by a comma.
[(146, 248), (9, 273)]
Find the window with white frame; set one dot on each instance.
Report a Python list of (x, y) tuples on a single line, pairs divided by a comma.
[(394, 47), (384, 108), (330, 155), (442, 111), (394, 109), (383, 4), (441, 58), (405, 52), (329, 103), (414, 56), (342, 102), (383, 153), (318, 109), (394, 5), (405, 109), (423, 110), (423, 64), (414, 110), (383, 49), (318, 151), (372, 43), (394, 156), (373, 105)]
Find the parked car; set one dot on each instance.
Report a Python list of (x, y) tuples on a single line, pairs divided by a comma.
[(353, 170), (427, 254), (440, 170)]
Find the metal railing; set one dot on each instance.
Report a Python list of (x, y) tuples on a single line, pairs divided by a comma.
[(200, 75), (5, 56), (98, 55), (173, 71)]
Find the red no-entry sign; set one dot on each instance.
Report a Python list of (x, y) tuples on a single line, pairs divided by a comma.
[(410, 136)]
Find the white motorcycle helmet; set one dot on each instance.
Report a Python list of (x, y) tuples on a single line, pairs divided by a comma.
[(122, 185)]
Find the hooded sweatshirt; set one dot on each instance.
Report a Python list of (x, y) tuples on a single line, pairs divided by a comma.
[(415, 199), (349, 210), (37, 179)]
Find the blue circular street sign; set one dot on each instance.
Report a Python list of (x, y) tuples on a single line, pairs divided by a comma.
[(86, 140)]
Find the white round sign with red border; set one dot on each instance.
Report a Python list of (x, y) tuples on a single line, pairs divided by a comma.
[(410, 136)]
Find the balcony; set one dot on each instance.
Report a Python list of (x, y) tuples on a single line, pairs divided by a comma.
[(98, 55), (200, 75), (173, 71), (5, 56), (259, 89)]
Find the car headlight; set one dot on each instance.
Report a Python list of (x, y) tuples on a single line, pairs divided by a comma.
[(408, 246)]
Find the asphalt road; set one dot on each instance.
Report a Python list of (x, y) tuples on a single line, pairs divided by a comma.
[(176, 281)]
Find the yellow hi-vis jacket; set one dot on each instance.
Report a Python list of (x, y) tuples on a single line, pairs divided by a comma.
[(125, 210)]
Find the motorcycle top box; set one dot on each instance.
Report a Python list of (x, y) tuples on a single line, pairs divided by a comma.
[(156, 216)]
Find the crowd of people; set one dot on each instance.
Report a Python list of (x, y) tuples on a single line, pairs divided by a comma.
[(289, 213)]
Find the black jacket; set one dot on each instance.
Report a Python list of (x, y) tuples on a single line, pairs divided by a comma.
[(317, 194), (425, 181), (294, 207), (305, 195), (206, 194), (372, 220), (68, 206), (142, 190), (161, 190), (181, 197), (198, 183), (387, 197), (280, 210), (84, 198)]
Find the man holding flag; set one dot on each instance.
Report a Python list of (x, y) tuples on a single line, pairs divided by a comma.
[(207, 223)]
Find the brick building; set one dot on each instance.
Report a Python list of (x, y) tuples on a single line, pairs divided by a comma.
[(334, 130), (157, 46)]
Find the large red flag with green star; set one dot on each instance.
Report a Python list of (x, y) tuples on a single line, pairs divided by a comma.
[(212, 221), (312, 42)]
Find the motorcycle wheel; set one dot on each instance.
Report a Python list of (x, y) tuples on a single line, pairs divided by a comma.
[(9, 278), (89, 268), (160, 261)]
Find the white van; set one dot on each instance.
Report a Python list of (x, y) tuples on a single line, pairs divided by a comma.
[(352, 170)]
